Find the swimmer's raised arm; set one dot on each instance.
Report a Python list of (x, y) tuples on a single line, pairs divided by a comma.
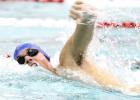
[(76, 46)]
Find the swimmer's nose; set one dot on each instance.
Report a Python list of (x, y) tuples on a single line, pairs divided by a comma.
[(30, 61), (28, 58)]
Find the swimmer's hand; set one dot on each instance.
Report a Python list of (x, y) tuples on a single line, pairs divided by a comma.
[(83, 13), (7, 55)]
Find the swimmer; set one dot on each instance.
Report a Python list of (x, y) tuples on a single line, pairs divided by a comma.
[(73, 54)]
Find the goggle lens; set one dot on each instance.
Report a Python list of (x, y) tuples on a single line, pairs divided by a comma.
[(30, 52)]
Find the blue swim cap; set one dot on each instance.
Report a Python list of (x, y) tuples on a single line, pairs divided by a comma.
[(23, 46)]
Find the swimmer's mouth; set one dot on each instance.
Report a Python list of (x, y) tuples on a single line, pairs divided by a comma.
[(33, 64)]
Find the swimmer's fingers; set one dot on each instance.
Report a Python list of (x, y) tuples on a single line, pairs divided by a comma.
[(77, 7), (83, 12), (76, 10), (75, 14), (79, 2), (82, 5), (83, 8), (7, 55)]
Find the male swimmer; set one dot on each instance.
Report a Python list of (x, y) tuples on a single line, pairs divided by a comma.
[(73, 55)]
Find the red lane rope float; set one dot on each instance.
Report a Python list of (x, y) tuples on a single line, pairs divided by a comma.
[(59, 1), (44, 1), (125, 24)]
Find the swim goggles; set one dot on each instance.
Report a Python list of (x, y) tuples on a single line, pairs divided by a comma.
[(30, 52)]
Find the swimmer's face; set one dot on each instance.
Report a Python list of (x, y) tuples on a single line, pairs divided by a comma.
[(32, 57)]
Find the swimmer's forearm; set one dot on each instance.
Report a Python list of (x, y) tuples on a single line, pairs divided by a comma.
[(54, 71), (83, 34), (81, 38)]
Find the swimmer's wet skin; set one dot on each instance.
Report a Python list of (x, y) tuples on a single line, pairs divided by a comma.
[(73, 54)]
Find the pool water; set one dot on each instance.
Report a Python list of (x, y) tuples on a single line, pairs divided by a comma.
[(40, 23)]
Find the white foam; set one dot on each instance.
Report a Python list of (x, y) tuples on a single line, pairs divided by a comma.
[(35, 22), (8, 65)]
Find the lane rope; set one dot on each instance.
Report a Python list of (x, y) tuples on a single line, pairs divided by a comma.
[(125, 24)]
